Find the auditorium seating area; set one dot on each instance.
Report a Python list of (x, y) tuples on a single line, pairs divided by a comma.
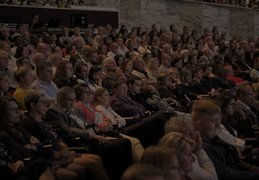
[(92, 99)]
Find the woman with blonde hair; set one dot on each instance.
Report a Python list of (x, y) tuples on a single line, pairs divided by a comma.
[(184, 146), (164, 158)]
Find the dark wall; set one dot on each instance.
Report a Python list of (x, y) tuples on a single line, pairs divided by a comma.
[(23, 14)]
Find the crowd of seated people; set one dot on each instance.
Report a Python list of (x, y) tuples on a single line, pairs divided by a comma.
[(240, 3), (89, 106)]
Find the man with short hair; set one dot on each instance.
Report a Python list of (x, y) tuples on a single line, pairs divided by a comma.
[(116, 153), (6, 46), (207, 118), (245, 97), (113, 50), (44, 81)]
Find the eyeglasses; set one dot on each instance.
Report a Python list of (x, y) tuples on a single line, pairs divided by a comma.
[(87, 92)]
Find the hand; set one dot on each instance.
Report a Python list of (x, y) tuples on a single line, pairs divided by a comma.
[(101, 139), (198, 141), (16, 167), (176, 103), (64, 152), (34, 140), (150, 87), (109, 125)]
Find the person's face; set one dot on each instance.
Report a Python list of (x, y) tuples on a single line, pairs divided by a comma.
[(73, 50), (140, 64), (57, 60), (194, 60), (69, 70), (121, 90), (77, 31), (132, 55), (167, 60), (25, 52), (188, 78), (111, 66), (105, 99), (94, 58), (65, 31), (208, 71), (179, 64), (13, 112), (27, 78), (67, 102), (6, 32), (144, 85), (84, 72), (199, 74), (86, 96), (248, 95), (41, 106), (46, 74), (155, 65), (173, 171), (4, 84), (3, 61), (21, 28), (129, 67), (167, 81), (230, 108), (186, 159), (97, 76), (135, 87), (208, 125), (6, 47), (188, 130)]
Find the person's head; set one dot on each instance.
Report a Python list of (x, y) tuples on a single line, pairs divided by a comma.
[(35, 102), (71, 49), (120, 89), (184, 147), (95, 73), (164, 79), (56, 58), (207, 118), (4, 83), (192, 58), (23, 75), (166, 59), (85, 49), (138, 63), (75, 59), (114, 47), (77, 31), (207, 70), (164, 158), (20, 28), (38, 58), (244, 93), (81, 70), (21, 51), (3, 59), (42, 48), (154, 64), (227, 102), (66, 98), (118, 59), (5, 46), (83, 93), (44, 71), (181, 124), (229, 71), (5, 31), (102, 97), (186, 76), (92, 57), (65, 70), (197, 72), (10, 111), (134, 84), (177, 63), (142, 172), (109, 64), (127, 66)]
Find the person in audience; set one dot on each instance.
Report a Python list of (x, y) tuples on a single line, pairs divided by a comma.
[(184, 147), (4, 84), (95, 76), (255, 71), (207, 118), (35, 103), (164, 158), (166, 61), (35, 23), (203, 168), (112, 73), (127, 68), (64, 75), (55, 59), (23, 76), (245, 96), (140, 171), (197, 85), (116, 154), (44, 82)]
